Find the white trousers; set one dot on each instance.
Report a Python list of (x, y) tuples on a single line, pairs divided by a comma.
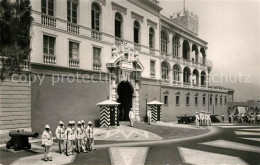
[(47, 152)]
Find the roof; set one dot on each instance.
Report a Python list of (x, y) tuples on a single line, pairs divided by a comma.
[(155, 103), (108, 102)]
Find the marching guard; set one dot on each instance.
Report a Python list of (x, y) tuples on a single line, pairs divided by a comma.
[(89, 135), (84, 141), (197, 120), (79, 136), (60, 135), (47, 142), (149, 116), (70, 138)]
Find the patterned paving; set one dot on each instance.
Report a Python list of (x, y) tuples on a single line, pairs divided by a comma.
[(202, 157), (124, 133), (253, 139), (128, 155), (247, 133)]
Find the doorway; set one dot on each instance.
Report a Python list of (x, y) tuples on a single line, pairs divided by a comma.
[(125, 92)]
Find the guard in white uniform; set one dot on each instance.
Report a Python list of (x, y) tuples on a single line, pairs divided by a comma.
[(197, 120), (201, 118), (79, 136), (131, 117), (60, 135), (149, 116), (90, 137), (70, 137), (47, 142), (84, 141)]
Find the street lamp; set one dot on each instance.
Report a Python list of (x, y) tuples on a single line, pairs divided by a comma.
[(146, 117)]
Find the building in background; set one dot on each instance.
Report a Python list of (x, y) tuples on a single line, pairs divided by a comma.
[(85, 51)]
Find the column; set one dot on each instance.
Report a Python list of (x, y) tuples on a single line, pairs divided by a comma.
[(180, 47), (181, 77), (136, 103)]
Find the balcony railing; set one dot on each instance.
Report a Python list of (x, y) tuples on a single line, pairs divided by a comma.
[(73, 28), (23, 64), (186, 83), (195, 84), (96, 34), (48, 20), (49, 59), (152, 51), (96, 66), (118, 41), (73, 62), (137, 47)]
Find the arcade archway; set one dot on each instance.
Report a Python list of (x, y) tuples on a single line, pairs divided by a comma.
[(125, 95)]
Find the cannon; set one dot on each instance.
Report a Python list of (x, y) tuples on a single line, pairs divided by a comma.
[(19, 139)]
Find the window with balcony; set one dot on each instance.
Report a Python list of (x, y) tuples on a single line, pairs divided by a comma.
[(49, 49), (220, 102), (48, 7), (136, 32), (186, 75), (164, 42), (96, 58), (118, 25), (72, 11), (152, 69), (165, 71), (176, 72), (95, 16), (175, 46), (73, 54), (203, 78), (216, 100), (151, 38), (186, 50), (195, 75)]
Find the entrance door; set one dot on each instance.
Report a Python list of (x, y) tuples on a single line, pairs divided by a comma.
[(125, 93), (158, 113), (112, 116)]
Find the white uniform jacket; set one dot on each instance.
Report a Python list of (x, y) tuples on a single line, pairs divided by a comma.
[(89, 132), (80, 133), (60, 133), (47, 139), (70, 134)]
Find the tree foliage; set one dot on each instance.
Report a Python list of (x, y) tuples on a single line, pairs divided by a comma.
[(15, 23)]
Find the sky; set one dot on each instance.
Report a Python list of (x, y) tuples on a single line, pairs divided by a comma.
[(232, 30)]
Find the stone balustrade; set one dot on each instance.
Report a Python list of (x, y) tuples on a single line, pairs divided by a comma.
[(96, 66), (73, 62), (96, 34), (48, 20), (73, 28), (49, 59)]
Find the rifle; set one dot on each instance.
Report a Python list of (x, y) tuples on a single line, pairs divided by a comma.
[(60, 142), (67, 153)]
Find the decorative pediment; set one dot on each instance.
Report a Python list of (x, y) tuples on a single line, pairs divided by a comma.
[(177, 93), (126, 58), (152, 23), (166, 92), (103, 2), (188, 94), (137, 16), (204, 94), (196, 94), (119, 8)]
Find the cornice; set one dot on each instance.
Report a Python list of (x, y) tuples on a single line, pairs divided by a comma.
[(152, 23), (119, 8), (137, 16)]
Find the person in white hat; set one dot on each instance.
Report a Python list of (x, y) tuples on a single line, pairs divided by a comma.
[(131, 117), (70, 137), (84, 140), (47, 142), (74, 147), (60, 135), (79, 136), (206, 118), (89, 135), (201, 118), (197, 119), (149, 116)]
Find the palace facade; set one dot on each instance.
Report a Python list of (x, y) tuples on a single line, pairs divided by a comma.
[(88, 51)]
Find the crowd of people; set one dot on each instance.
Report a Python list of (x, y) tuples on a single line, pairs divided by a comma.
[(244, 118), (203, 119), (70, 139)]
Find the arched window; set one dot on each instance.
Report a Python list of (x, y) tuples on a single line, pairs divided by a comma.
[(136, 32), (164, 42), (202, 50), (203, 78), (195, 74), (165, 71), (196, 53), (175, 46), (186, 75), (176, 72), (118, 25), (186, 50), (95, 16), (151, 37)]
